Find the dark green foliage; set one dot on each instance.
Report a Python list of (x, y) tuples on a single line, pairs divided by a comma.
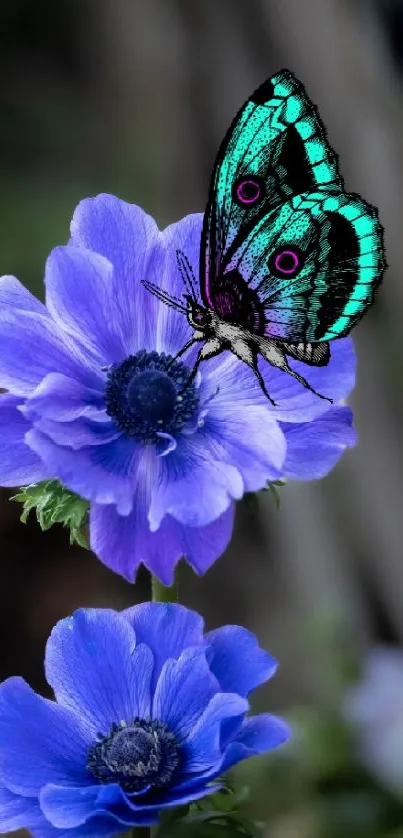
[(216, 816), (54, 504)]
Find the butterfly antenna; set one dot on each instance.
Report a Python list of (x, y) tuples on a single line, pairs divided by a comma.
[(164, 296), (186, 272)]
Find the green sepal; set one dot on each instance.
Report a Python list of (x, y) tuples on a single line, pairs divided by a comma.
[(272, 487), (251, 498), (215, 816), (210, 825), (54, 504)]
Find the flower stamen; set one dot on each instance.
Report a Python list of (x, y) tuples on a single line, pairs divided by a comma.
[(136, 755), (143, 396)]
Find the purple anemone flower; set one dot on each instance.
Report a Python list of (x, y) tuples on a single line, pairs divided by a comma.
[(149, 713), (93, 402)]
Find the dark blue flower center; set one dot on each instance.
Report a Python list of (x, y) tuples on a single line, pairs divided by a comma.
[(145, 396), (136, 755)]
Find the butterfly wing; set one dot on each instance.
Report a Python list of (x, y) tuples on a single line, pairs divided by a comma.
[(276, 147), (285, 252), (307, 271)]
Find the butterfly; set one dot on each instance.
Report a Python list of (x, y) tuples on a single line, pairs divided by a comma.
[(289, 261)]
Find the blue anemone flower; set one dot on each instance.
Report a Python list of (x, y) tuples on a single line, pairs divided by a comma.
[(94, 402), (149, 713)]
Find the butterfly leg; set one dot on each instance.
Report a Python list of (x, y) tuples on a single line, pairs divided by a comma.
[(181, 352), (195, 337), (211, 348), (249, 355), (276, 357)]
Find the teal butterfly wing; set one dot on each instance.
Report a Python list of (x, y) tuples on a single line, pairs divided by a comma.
[(310, 268), (285, 251)]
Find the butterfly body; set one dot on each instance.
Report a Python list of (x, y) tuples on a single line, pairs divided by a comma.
[(288, 261), (219, 335)]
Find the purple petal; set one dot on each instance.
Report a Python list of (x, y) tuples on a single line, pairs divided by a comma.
[(19, 466), (89, 652), (336, 380), (31, 346), (294, 403), (69, 413), (237, 661), (15, 810), (123, 543), (100, 473), (250, 439), (105, 806), (173, 329), (127, 237), (257, 735), (79, 296), (314, 448), (14, 295), (78, 434), (52, 736), (202, 746), (87, 812), (194, 487), (184, 689), (63, 399), (167, 628), (67, 807), (18, 811), (102, 826)]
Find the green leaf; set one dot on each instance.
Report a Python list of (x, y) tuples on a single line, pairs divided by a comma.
[(54, 504)]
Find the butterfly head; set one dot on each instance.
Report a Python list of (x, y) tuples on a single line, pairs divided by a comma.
[(199, 317)]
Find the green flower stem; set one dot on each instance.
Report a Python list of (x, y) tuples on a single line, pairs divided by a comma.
[(160, 593)]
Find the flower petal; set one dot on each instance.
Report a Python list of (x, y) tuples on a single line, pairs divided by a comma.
[(19, 466), (236, 659), (15, 810), (314, 448), (257, 735), (40, 742), (100, 473), (167, 628), (31, 346), (336, 380), (202, 746), (67, 807), (86, 811), (127, 237), (104, 805), (13, 294), (173, 329), (184, 689), (194, 487), (64, 399), (95, 669), (123, 543), (80, 299), (69, 413), (251, 440)]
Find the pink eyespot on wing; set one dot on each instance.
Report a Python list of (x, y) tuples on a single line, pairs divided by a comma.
[(286, 261), (248, 190)]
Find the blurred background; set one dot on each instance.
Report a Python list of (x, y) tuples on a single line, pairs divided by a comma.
[(134, 98)]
